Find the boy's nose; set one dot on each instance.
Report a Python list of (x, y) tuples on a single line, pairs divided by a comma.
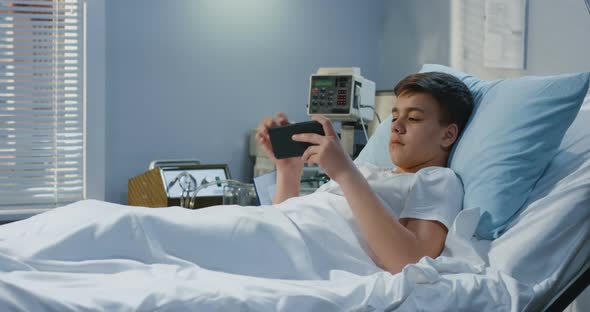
[(397, 127)]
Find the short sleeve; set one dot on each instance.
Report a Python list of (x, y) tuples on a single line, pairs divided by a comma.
[(437, 195)]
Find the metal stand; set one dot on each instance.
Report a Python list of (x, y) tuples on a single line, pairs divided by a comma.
[(352, 137)]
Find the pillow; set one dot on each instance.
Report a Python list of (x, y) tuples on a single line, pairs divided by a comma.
[(513, 133), (376, 151)]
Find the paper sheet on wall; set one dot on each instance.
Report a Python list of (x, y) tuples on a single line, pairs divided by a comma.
[(504, 33)]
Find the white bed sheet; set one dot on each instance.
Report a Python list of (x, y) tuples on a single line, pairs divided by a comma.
[(305, 255)]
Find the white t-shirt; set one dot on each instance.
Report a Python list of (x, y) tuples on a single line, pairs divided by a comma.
[(432, 193)]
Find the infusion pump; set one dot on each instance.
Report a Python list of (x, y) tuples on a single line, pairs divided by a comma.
[(341, 94)]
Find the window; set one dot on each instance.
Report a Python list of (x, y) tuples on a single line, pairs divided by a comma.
[(42, 99)]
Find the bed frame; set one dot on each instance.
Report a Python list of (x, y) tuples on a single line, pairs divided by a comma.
[(573, 290)]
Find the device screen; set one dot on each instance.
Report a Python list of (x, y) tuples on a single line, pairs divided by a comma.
[(323, 83)]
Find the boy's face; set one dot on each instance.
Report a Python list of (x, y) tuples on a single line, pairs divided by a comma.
[(418, 139)]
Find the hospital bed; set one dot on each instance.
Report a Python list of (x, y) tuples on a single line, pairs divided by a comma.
[(538, 264), (565, 244), (571, 292)]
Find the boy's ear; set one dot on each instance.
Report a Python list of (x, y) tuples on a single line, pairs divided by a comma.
[(450, 135)]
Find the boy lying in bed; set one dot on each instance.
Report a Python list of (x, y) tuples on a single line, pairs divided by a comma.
[(430, 112)]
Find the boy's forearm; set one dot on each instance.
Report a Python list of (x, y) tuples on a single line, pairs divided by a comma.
[(287, 185), (392, 244)]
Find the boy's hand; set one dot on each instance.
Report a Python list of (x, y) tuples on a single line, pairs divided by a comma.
[(293, 164), (326, 150)]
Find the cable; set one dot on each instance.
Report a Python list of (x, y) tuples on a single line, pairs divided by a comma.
[(363, 122), (373, 108), (364, 130)]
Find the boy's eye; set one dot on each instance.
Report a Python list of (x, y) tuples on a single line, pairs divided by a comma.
[(393, 119)]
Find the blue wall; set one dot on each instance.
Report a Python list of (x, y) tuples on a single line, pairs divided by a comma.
[(414, 32), (558, 37), (418, 31), (189, 79)]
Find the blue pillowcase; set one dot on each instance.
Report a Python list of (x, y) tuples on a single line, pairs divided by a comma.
[(514, 132), (376, 151)]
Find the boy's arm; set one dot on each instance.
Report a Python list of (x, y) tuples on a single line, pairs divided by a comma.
[(394, 244), (287, 183)]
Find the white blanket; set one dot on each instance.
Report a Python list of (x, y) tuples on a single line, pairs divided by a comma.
[(305, 254)]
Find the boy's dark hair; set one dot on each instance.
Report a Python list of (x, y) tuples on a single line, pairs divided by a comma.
[(454, 98)]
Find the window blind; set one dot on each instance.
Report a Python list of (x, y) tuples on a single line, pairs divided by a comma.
[(42, 99)]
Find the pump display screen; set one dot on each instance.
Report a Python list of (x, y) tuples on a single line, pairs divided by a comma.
[(323, 83)]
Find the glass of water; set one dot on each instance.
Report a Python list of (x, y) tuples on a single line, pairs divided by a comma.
[(242, 194)]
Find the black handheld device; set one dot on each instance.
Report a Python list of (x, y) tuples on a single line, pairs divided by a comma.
[(282, 144)]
